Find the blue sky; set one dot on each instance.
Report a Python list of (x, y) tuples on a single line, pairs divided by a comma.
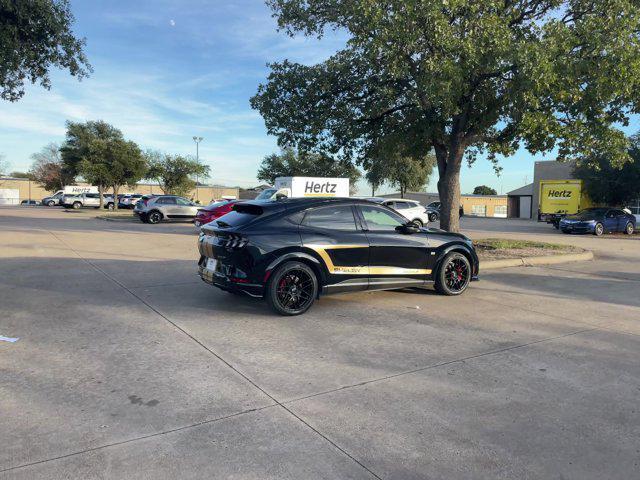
[(168, 70)]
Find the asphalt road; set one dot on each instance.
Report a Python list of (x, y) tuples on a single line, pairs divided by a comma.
[(128, 366)]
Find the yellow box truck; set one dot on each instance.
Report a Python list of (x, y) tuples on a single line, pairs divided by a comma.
[(559, 198)]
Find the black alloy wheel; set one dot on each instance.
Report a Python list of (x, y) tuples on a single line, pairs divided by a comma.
[(598, 230), (629, 229), (454, 274), (292, 289), (433, 217), (154, 217)]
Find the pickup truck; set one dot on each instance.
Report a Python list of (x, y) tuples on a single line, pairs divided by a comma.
[(85, 200)]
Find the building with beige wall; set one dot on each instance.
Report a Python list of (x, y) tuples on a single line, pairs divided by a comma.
[(476, 205), (31, 190)]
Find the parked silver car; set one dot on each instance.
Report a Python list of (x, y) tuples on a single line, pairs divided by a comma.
[(165, 207), (86, 200)]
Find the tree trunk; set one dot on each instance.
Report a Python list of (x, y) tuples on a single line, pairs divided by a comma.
[(115, 197), (101, 193), (449, 164)]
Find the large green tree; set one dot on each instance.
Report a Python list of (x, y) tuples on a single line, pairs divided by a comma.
[(291, 163), (47, 168), (36, 36), (461, 78), (393, 163), (80, 136), (173, 172), (484, 190), (607, 184), (113, 163)]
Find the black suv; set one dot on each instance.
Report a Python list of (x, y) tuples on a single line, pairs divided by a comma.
[(290, 251)]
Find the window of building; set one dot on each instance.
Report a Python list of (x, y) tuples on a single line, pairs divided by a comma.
[(479, 210)]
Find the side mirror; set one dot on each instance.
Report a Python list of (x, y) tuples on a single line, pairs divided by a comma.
[(408, 228)]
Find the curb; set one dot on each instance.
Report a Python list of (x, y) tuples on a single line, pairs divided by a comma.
[(532, 261)]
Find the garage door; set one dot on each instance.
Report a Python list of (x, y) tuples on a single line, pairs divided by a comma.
[(525, 207)]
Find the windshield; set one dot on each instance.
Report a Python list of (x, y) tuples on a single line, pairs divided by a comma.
[(266, 194), (590, 213)]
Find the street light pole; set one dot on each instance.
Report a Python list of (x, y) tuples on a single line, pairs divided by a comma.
[(197, 140)]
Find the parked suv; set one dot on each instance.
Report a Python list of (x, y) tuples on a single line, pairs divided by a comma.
[(53, 200), (86, 200), (409, 209), (165, 207), (291, 251), (128, 200)]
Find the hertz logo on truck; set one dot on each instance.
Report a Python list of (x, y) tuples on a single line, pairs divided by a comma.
[(320, 188), (559, 193)]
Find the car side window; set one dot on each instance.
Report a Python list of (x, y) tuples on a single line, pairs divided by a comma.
[(403, 205), (611, 214), (166, 201), (183, 201), (381, 219), (336, 217), (92, 195)]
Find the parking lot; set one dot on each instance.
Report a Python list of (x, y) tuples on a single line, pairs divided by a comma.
[(128, 366)]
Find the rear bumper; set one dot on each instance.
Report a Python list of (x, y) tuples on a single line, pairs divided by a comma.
[(222, 281)]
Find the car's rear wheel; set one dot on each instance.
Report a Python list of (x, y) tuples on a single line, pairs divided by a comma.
[(292, 288), (76, 205), (50, 203), (154, 217), (433, 217), (598, 229), (453, 275), (629, 229), (110, 206), (418, 222)]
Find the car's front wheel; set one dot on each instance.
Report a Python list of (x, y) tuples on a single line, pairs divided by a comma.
[(418, 222), (629, 229), (433, 217), (453, 275), (154, 217), (50, 203), (76, 205), (598, 230), (292, 288)]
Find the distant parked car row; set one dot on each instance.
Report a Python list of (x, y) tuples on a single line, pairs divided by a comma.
[(91, 199)]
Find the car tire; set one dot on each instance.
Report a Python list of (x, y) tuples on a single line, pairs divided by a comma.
[(154, 217), (418, 222), (283, 286), (50, 203), (453, 275), (110, 206), (629, 229), (76, 205), (433, 217), (598, 230)]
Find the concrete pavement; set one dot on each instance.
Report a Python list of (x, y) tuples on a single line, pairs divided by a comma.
[(128, 366)]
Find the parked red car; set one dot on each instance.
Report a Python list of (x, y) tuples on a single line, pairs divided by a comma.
[(211, 212)]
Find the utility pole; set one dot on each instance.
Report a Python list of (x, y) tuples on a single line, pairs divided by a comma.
[(197, 140)]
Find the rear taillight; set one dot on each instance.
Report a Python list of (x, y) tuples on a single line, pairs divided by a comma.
[(236, 242)]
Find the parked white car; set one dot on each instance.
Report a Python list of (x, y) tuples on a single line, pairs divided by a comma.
[(410, 209)]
